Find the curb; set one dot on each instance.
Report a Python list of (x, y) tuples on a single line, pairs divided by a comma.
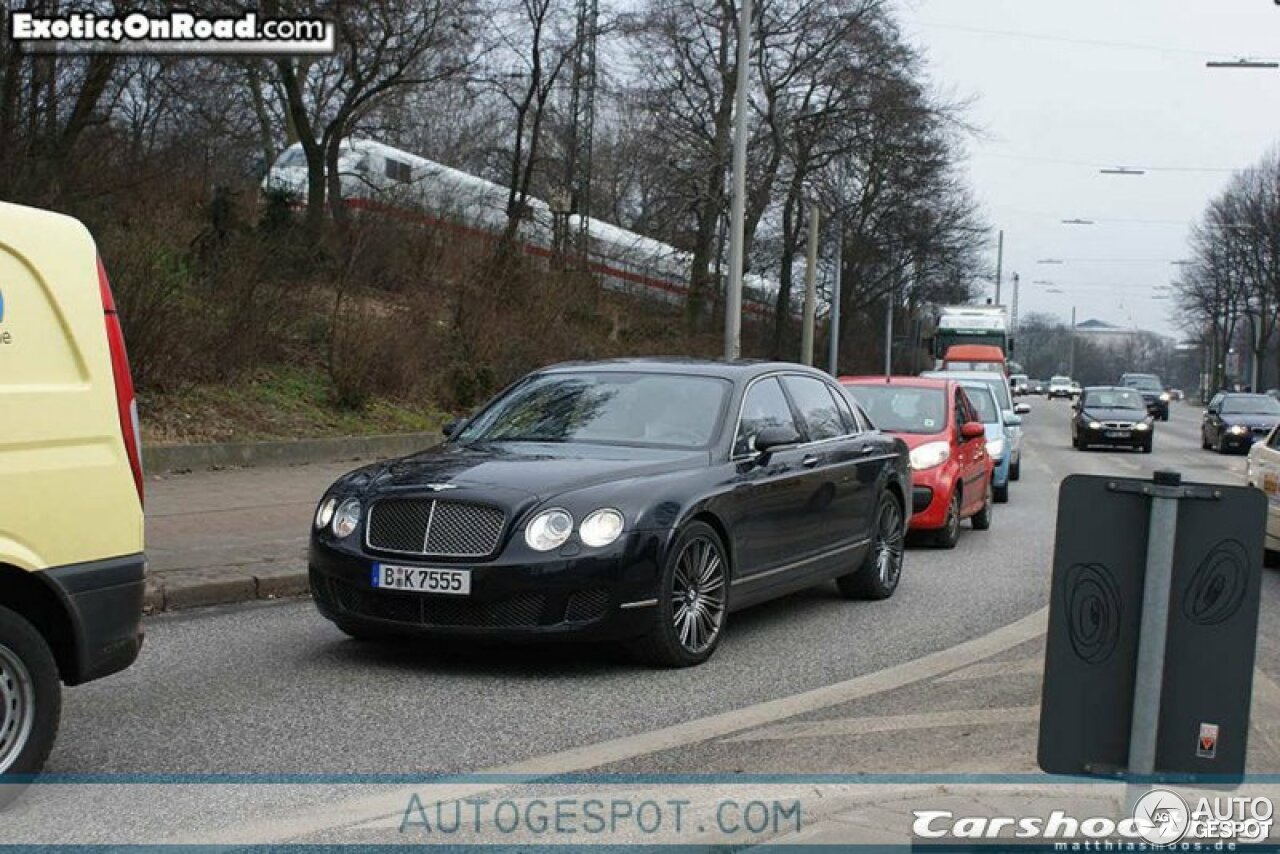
[(198, 588), (158, 459)]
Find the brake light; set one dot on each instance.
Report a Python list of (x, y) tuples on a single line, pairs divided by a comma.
[(126, 403)]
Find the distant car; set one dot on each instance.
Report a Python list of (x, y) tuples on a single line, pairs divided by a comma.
[(1039, 386), (951, 469), (1012, 412), (1152, 390), (1113, 416), (1176, 394), (638, 500), (1020, 384), (1234, 421), (1059, 386), (1263, 472)]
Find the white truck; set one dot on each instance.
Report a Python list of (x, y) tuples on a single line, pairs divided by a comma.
[(971, 324)]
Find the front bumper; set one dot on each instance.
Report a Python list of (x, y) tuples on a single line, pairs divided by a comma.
[(1239, 441), (103, 600), (1096, 438), (595, 594), (1158, 407)]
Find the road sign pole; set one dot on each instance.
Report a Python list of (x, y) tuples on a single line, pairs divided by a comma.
[(1153, 630)]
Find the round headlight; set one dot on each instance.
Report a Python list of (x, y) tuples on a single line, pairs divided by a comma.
[(324, 513), (929, 455), (601, 527), (548, 530), (1142, 425), (1165, 397), (346, 517), (1095, 425)]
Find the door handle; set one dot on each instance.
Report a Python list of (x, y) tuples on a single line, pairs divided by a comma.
[(809, 461), (866, 450)]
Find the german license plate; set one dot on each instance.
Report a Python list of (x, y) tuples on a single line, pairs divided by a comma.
[(1117, 434), (422, 579)]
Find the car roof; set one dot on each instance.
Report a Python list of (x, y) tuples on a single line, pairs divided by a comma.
[(1107, 388), (915, 382), (1244, 394), (738, 370), (965, 375)]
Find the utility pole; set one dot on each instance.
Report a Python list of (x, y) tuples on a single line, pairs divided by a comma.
[(1071, 366), (737, 214), (999, 263), (582, 112), (834, 344), (810, 288), (1013, 309), (888, 331)]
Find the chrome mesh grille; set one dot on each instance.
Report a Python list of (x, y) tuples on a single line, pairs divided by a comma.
[(434, 528)]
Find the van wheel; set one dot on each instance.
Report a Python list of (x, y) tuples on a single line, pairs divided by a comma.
[(30, 701)]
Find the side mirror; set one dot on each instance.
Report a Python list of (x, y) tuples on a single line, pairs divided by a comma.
[(771, 438), (1013, 420), (453, 427), (1021, 408), (972, 430)]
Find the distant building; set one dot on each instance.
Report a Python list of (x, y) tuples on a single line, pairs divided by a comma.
[(1112, 337)]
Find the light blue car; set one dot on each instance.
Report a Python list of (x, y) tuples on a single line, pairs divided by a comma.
[(999, 443), (999, 386)]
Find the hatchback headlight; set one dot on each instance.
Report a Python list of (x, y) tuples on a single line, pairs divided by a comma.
[(995, 447), (601, 528), (346, 517), (324, 513), (548, 530), (930, 455)]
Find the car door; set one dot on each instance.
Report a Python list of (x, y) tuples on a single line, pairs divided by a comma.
[(1212, 425), (1264, 473), (972, 454), (837, 499), (766, 510)]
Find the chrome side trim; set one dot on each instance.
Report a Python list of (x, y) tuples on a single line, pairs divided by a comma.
[(643, 603), (803, 562)]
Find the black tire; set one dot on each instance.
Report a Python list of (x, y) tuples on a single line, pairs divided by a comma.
[(982, 519), (663, 645), (877, 578), (30, 701), (1015, 470), (1218, 447), (1204, 441), (1146, 446), (1270, 558), (1002, 494), (948, 535)]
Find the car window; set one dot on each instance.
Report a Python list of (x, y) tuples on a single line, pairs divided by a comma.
[(984, 405), (1250, 404), (846, 411), (765, 406), (1215, 402), (902, 408), (1273, 441), (961, 412), (816, 406), (1114, 399)]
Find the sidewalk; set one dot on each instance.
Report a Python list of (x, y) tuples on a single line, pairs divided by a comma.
[(215, 537)]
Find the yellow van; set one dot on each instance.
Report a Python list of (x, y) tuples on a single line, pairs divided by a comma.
[(71, 560)]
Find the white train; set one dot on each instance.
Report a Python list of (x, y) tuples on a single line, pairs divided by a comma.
[(379, 177)]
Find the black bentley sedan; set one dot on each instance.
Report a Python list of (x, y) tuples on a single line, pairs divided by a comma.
[(637, 500), (1114, 416)]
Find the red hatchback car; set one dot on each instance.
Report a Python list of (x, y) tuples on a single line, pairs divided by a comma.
[(951, 470)]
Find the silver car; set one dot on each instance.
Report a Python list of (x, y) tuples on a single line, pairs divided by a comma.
[(1013, 411)]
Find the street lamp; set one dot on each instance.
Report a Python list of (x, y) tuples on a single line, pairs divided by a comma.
[(1077, 221), (1050, 261), (1122, 170)]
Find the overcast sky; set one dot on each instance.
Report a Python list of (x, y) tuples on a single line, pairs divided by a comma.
[(1061, 89)]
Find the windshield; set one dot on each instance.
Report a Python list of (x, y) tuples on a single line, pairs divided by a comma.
[(1147, 383), (1253, 404), (1114, 399), (655, 410), (983, 403), (902, 409), (1060, 381)]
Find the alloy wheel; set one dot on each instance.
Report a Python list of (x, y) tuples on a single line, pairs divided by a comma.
[(889, 543), (698, 594), (17, 707)]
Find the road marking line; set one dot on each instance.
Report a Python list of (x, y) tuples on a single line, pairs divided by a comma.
[(992, 669), (296, 823), (890, 723)]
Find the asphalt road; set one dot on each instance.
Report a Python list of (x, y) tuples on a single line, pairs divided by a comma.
[(275, 689)]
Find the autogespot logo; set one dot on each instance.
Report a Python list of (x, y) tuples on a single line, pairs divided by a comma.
[(1161, 817)]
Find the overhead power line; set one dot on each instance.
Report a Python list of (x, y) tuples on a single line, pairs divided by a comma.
[(1117, 45)]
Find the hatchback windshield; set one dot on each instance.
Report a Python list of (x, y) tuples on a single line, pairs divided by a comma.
[(902, 409), (1114, 399), (658, 410), (1250, 404)]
